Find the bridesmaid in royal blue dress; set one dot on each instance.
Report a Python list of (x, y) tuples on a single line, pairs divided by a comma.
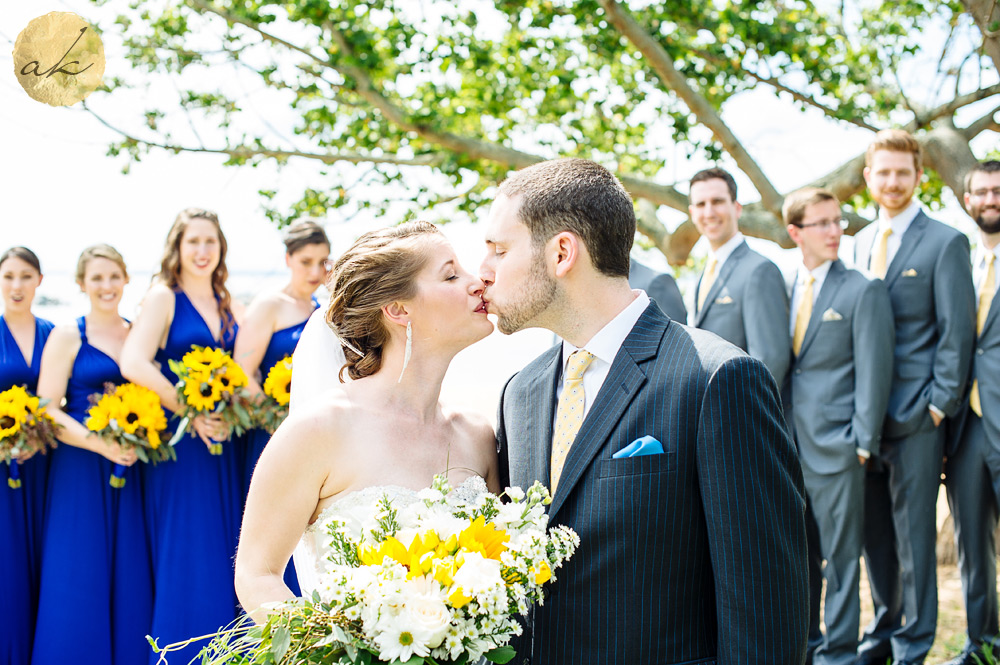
[(94, 550), (273, 324), (22, 337), (192, 504)]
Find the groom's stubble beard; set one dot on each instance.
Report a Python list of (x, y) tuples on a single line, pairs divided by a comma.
[(534, 297)]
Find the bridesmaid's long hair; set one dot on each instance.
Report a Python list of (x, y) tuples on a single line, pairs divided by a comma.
[(170, 265)]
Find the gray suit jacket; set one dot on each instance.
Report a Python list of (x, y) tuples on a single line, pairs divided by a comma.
[(986, 368), (694, 555), (933, 308), (839, 383), (659, 286), (747, 305)]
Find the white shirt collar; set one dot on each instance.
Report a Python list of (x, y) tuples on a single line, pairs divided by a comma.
[(608, 340), (982, 251), (819, 273), (726, 250), (901, 222)]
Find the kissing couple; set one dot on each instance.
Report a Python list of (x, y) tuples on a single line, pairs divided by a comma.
[(664, 446)]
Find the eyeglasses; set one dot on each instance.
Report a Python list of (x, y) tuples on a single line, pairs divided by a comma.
[(983, 193), (827, 224)]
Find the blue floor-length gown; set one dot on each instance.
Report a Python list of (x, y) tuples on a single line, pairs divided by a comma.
[(193, 510), (95, 550), (282, 344), (20, 512)]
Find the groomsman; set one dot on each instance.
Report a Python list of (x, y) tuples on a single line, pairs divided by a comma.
[(741, 295), (842, 343), (659, 286), (973, 468), (925, 265)]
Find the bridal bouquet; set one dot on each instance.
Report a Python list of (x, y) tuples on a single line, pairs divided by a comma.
[(210, 381), (25, 428), (131, 416), (277, 392), (441, 580)]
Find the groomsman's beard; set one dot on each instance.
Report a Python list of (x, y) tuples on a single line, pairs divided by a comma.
[(534, 297), (988, 226)]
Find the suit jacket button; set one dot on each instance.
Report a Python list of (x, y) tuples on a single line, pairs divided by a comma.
[(979, 352), (798, 371)]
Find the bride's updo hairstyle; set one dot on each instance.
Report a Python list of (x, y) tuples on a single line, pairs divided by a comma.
[(380, 268)]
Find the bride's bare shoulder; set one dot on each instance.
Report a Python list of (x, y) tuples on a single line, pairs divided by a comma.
[(472, 426), (315, 425)]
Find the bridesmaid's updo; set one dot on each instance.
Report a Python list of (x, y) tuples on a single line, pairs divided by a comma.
[(24, 254), (100, 251), (380, 268), (303, 233)]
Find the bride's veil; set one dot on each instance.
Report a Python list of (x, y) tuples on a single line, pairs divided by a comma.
[(316, 362)]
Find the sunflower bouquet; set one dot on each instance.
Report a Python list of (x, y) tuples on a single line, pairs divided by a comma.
[(439, 579), (210, 382), (25, 428), (131, 416), (277, 391)]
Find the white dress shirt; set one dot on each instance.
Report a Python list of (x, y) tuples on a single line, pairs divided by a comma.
[(819, 274), (900, 223), (979, 267), (605, 345)]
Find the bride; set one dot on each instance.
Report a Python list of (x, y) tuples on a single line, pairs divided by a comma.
[(402, 307)]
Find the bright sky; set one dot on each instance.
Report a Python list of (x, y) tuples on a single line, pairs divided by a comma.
[(59, 192)]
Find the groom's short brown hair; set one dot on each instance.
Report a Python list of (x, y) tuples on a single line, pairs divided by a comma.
[(582, 197)]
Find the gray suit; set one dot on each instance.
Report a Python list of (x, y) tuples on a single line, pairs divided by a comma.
[(659, 286), (836, 398), (747, 306), (973, 484), (930, 286)]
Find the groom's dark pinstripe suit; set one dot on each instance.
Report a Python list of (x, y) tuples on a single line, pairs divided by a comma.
[(696, 555)]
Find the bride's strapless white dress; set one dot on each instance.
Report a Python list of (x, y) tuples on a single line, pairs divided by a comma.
[(357, 511)]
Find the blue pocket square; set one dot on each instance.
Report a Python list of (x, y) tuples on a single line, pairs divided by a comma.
[(647, 445)]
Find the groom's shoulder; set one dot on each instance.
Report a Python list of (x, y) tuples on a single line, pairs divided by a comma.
[(698, 349)]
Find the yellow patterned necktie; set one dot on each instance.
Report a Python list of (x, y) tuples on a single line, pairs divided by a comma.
[(569, 411), (803, 315), (880, 257), (707, 280), (985, 301)]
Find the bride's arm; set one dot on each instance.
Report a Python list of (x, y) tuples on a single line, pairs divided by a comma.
[(284, 493)]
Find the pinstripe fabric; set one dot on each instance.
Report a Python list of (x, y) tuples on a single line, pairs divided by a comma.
[(693, 556)]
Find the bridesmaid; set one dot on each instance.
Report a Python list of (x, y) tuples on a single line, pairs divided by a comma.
[(94, 552), (273, 324), (22, 337), (192, 504)]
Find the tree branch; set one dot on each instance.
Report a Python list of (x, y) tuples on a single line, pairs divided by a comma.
[(984, 123), (663, 65), (925, 119), (245, 152), (984, 14)]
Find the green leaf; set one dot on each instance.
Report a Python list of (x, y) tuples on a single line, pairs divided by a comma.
[(500, 655), (281, 639)]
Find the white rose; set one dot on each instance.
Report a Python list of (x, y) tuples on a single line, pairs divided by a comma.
[(478, 574), (427, 617)]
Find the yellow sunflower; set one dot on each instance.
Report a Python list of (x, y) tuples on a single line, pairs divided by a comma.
[(19, 399), (101, 414), (204, 359), (230, 376), (201, 395), (278, 384), (11, 417)]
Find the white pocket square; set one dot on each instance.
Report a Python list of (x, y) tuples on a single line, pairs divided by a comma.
[(910, 273), (832, 315), (724, 300)]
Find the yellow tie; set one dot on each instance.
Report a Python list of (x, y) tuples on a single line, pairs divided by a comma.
[(985, 301), (880, 257), (707, 280), (569, 411), (803, 315)]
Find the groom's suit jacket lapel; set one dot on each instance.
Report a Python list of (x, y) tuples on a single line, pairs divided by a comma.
[(623, 382)]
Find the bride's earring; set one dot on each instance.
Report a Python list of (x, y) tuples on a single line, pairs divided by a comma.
[(408, 352)]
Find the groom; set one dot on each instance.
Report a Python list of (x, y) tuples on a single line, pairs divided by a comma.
[(693, 553)]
